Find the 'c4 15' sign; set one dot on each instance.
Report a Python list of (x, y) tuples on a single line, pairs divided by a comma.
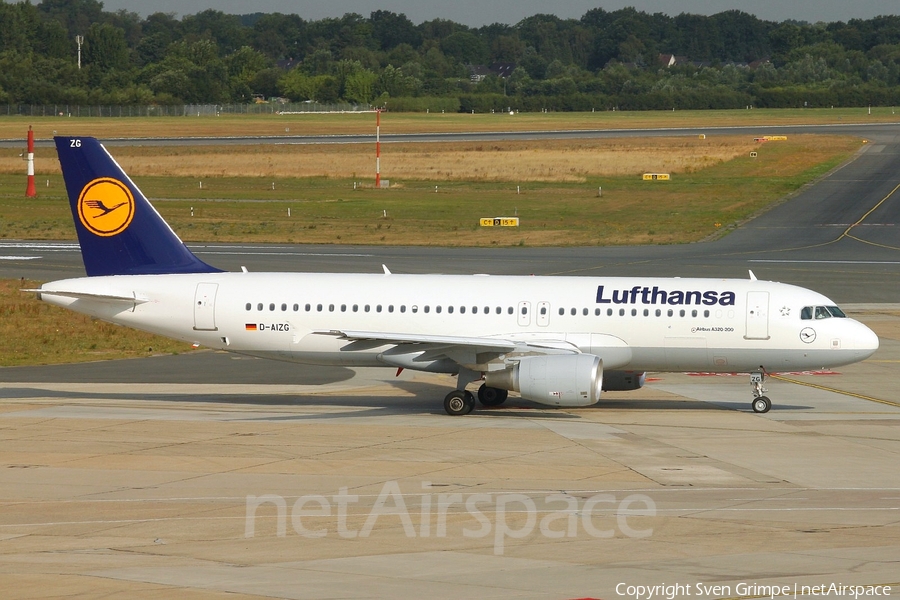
[(500, 222)]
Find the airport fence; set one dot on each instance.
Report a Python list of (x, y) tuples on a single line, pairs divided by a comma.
[(178, 110)]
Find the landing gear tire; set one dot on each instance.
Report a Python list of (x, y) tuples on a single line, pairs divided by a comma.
[(761, 404), (491, 396), (459, 402)]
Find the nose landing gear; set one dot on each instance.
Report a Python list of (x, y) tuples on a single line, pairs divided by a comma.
[(761, 403)]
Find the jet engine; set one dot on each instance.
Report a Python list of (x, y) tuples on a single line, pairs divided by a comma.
[(623, 381), (555, 380)]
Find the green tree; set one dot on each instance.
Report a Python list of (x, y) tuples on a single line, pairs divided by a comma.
[(105, 48), (360, 86), (391, 29)]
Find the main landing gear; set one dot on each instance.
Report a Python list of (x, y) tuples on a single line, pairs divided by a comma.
[(490, 396), (761, 403), (461, 401)]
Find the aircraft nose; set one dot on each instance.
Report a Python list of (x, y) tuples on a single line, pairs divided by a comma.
[(865, 339)]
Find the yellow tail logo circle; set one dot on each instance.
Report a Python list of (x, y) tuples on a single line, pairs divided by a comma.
[(106, 206)]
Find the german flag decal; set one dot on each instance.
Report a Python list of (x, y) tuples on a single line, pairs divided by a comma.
[(250, 326)]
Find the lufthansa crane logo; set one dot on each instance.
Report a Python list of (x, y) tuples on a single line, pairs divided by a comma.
[(106, 206)]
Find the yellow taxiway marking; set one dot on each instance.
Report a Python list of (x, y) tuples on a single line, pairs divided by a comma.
[(835, 390)]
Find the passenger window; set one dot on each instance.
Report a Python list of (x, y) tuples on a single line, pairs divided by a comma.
[(681, 313), (307, 307), (621, 312), (272, 306), (415, 308), (462, 310), (450, 309), (499, 310), (573, 311), (562, 311), (670, 312), (596, 312), (378, 308), (259, 306), (331, 308), (474, 310), (694, 313), (509, 310), (390, 308), (403, 308), (427, 308), (524, 310), (283, 307), (356, 308), (633, 312), (319, 307), (296, 307), (609, 312), (437, 308), (646, 312), (343, 308), (248, 306), (822, 313), (584, 311), (658, 312), (706, 313), (487, 310), (366, 308)]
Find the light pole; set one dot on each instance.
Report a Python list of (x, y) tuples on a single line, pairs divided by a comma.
[(79, 39)]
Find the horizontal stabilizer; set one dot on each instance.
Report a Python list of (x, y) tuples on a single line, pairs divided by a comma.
[(87, 296)]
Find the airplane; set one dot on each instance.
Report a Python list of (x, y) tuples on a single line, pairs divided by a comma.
[(557, 341)]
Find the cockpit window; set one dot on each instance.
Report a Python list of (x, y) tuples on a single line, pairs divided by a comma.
[(836, 312), (821, 312)]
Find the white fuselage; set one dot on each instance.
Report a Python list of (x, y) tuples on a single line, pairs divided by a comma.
[(635, 323)]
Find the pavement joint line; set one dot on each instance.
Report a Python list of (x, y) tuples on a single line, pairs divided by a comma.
[(694, 511), (836, 391), (492, 493)]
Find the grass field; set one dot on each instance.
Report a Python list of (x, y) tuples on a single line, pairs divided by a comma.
[(16, 127), (551, 186)]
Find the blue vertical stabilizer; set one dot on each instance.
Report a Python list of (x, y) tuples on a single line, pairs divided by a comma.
[(119, 230)]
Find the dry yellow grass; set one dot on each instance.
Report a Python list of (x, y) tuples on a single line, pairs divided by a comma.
[(518, 161)]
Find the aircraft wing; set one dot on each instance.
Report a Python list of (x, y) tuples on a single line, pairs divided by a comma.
[(467, 351), (483, 344)]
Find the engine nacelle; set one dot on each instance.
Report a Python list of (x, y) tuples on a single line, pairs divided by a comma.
[(555, 380), (623, 381)]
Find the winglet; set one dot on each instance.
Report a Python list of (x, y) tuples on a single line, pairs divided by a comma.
[(752, 276), (119, 231), (386, 270)]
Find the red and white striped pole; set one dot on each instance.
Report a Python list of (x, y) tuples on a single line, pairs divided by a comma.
[(377, 149), (30, 191)]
